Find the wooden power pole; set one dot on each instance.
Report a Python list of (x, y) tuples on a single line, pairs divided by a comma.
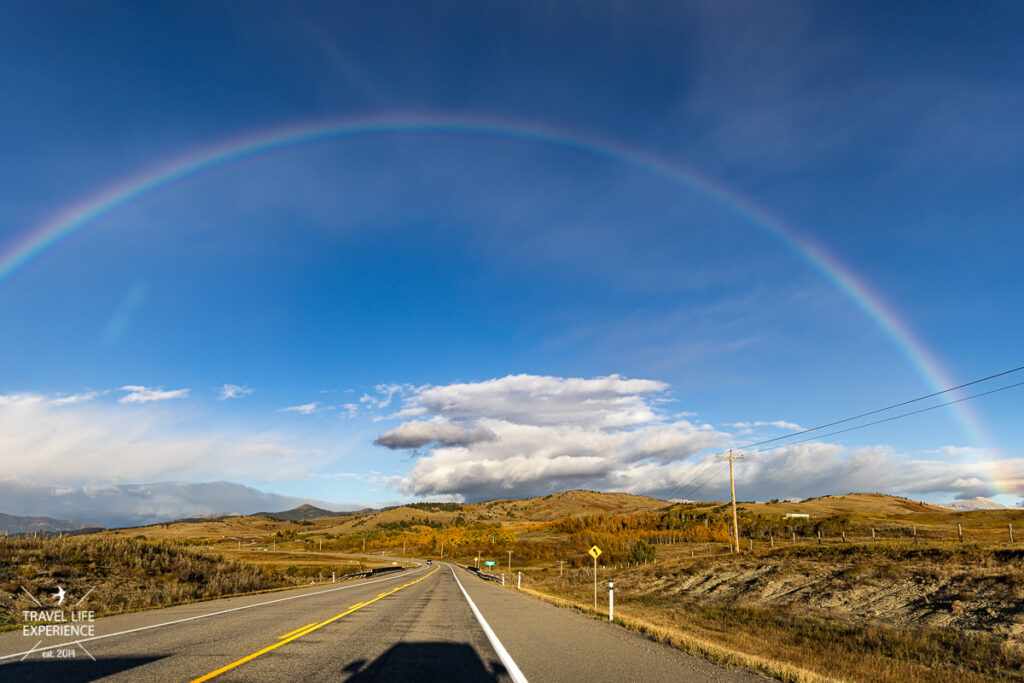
[(732, 487)]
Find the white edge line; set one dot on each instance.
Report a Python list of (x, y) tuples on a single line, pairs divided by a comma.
[(503, 654), (203, 616)]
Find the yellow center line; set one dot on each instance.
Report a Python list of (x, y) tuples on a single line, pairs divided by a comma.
[(287, 638), (301, 628)]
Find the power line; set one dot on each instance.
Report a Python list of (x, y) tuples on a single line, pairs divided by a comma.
[(694, 482), (896, 417), (882, 410)]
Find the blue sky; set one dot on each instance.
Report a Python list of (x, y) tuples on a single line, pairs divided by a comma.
[(508, 316)]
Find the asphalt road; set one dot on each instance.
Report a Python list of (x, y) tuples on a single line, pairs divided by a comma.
[(432, 623)]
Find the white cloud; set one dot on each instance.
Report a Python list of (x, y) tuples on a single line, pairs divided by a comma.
[(92, 441), (304, 409), (20, 399), (385, 394), (778, 424), (963, 451), (529, 434), (140, 394), (76, 398), (135, 504), (233, 391), (604, 402)]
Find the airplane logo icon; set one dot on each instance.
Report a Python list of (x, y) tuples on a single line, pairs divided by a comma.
[(59, 595)]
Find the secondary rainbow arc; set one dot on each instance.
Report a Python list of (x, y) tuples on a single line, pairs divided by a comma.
[(76, 217)]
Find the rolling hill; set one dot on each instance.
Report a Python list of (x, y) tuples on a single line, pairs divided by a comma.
[(19, 525)]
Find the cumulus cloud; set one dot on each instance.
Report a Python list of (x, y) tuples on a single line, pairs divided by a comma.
[(233, 391), (526, 435), (530, 434), (304, 409), (418, 434), (141, 394), (604, 402)]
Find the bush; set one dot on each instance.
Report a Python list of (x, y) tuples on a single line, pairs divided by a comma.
[(642, 551)]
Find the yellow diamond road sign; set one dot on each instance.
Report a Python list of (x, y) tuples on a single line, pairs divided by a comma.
[(595, 551)]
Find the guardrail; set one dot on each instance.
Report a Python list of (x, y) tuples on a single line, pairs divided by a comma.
[(488, 577), (373, 572)]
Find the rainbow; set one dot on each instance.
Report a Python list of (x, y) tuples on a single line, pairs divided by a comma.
[(78, 216)]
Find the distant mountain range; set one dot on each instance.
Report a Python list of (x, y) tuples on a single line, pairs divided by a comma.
[(14, 524), (978, 503)]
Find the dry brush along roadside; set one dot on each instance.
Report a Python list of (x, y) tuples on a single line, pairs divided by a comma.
[(882, 612)]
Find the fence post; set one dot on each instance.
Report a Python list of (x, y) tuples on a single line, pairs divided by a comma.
[(844, 537), (819, 536), (915, 533), (960, 532), (794, 538), (1011, 532), (872, 534), (771, 539)]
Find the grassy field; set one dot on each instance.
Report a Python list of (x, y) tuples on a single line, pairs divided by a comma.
[(122, 574)]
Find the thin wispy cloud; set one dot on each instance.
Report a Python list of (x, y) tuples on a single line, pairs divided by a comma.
[(233, 391), (304, 409), (101, 441), (76, 398), (777, 424), (141, 394)]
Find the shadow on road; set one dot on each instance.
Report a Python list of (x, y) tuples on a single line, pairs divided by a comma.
[(427, 662), (78, 669)]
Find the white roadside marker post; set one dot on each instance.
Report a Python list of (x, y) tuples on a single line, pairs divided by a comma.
[(611, 601), (519, 581)]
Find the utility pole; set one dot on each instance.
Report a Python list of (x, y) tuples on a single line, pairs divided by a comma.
[(732, 487)]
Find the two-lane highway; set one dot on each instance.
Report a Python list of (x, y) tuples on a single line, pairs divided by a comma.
[(431, 623)]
